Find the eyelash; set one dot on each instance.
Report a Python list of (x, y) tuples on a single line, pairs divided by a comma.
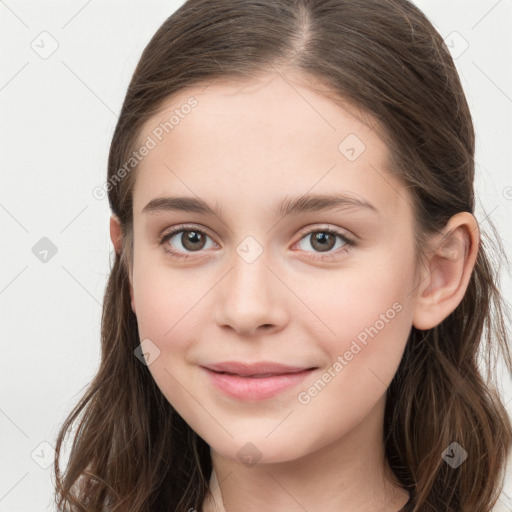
[(349, 242)]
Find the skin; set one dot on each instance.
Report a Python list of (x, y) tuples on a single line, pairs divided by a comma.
[(244, 147)]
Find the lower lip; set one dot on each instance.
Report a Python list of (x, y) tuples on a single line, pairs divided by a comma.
[(253, 388)]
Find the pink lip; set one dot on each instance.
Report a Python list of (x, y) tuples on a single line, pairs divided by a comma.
[(255, 381)]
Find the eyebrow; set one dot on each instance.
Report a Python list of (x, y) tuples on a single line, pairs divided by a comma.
[(288, 206)]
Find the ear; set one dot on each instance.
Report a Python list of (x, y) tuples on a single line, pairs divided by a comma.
[(116, 235), (449, 265)]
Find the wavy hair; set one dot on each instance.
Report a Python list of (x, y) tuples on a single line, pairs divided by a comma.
[(131, 451)]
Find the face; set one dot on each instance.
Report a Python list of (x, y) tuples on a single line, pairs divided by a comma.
[(291, 244)]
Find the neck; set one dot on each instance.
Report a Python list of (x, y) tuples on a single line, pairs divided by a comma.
[(351, 474)]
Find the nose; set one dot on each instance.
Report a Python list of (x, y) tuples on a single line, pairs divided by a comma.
[(251, 299)]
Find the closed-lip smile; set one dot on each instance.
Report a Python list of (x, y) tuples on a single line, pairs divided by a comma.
[(254, 381), (257, 368)]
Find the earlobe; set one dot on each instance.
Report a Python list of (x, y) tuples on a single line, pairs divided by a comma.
[(448, 270)]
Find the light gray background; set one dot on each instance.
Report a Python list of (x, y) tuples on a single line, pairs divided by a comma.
[(58, 113)]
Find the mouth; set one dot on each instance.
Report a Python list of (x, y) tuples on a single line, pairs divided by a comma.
[(249, 385), (258, 376), (256, 369)]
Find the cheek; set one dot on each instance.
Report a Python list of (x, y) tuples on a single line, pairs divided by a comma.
[(168, 306), (165, 301), (362, 359), (366, 320), (361, 296)]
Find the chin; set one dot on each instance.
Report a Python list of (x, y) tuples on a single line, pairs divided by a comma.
[(257, 451)]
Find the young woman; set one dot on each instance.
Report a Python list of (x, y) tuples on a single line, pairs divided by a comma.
[(301, 290)]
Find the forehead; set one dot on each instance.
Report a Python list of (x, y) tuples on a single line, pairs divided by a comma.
[(262, 137), (283, 94)]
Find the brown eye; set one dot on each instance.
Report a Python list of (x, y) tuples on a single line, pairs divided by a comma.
[(181, 242), (323, 241), (326, 241), (193, 240)]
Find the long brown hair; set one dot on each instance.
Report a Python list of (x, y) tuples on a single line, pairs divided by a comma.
[(131, 450)]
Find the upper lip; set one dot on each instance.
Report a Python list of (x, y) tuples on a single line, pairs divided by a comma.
[(257, 368)]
